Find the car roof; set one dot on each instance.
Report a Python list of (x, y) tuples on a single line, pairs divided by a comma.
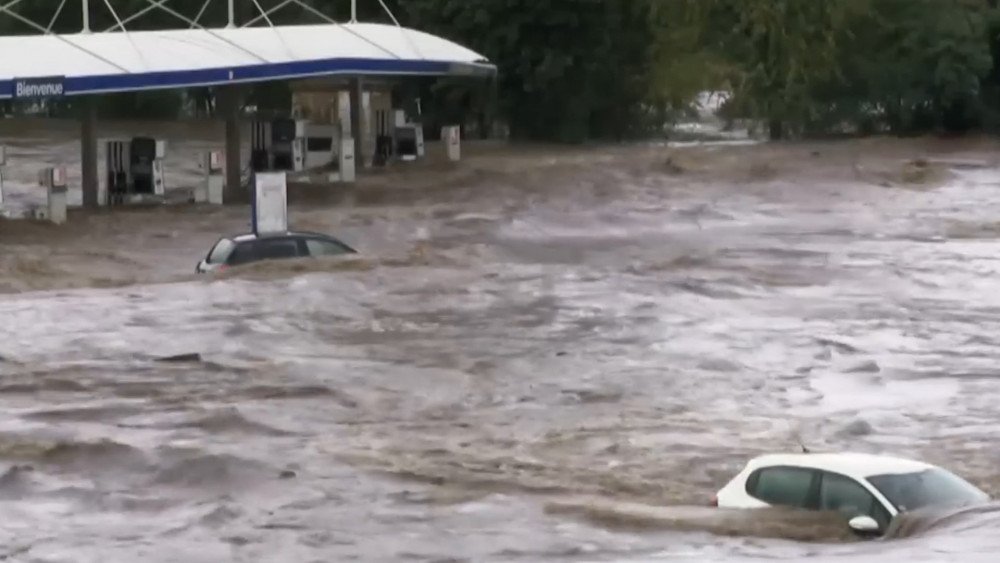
[(254, 236), (857, 465)]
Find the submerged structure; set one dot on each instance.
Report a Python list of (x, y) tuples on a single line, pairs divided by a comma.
[(113, 60)]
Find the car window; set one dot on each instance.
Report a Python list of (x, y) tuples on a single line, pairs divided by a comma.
[(850, 498), (221, 251), (264, 249), (243, 253), (268, 249), (320, 247), (782, 486)]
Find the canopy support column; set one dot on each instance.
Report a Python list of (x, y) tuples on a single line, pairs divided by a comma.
[(229, 103), (88, 153), (357, 96)]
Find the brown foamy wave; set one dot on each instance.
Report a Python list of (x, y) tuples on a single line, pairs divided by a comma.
[(478, 471), (797, 525), (276, 269), (100, 456), (17, 481), (23, 273), (230, 420), (103, 455), (680, 262), (277, 392), (224, 420), (421, 254), (27, 273), (921, 522), (101, 413), (30, 385), (212, 471)]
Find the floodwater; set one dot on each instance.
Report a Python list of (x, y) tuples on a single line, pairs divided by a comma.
[(539, 356)]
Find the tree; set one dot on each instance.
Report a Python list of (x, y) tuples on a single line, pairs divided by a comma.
[(568, 69), (928, 61), (775, 52)]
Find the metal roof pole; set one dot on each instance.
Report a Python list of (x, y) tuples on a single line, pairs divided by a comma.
[(201, 12), (160, 4), (354, 11), (357, 94), (267, 13), (229, 104), (86, 16), (388, 11), (263, 13), (52, 22), (320, 14), (232, 14)]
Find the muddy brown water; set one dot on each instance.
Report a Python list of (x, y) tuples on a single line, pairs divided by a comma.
[(541, 354)]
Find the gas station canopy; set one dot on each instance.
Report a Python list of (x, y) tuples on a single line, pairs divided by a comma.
[(51, 65)]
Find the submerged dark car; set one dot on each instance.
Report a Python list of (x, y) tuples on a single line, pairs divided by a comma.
[(249, 248)]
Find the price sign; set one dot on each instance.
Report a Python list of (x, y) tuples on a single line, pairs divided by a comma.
[(270, 203)]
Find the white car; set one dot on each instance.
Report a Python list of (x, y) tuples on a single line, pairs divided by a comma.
[(869, 490)]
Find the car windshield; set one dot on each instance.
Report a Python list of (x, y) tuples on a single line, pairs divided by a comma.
[(221, 251), (931, 487)]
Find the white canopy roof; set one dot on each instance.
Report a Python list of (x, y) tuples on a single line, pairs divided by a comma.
[(47, 65)]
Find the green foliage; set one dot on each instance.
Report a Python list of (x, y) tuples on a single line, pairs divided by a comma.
[(808, 66), (927, 62), (568, 69)]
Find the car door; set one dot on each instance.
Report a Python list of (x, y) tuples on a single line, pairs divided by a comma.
[(845, 495), (793, 487)]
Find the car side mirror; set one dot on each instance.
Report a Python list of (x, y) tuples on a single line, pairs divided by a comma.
[(864, 525)]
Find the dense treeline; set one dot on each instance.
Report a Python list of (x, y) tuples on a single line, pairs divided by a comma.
[(857, 65), (577, 69)]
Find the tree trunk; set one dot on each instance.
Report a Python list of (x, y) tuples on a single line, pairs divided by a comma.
[(776, 130)]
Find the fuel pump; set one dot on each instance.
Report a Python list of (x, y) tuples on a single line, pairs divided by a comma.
[(260, 146), (135, 169), (288, 152), (54, 182), (146, 165)]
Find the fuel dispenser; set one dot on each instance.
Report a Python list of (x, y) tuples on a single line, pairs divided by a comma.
[(286, 145), (278, 145), (54, 182), (409, 137), (260, 146), (345, 160), (135, 169), (383, 138), (320, 145), (452, 137), (211, 189)]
